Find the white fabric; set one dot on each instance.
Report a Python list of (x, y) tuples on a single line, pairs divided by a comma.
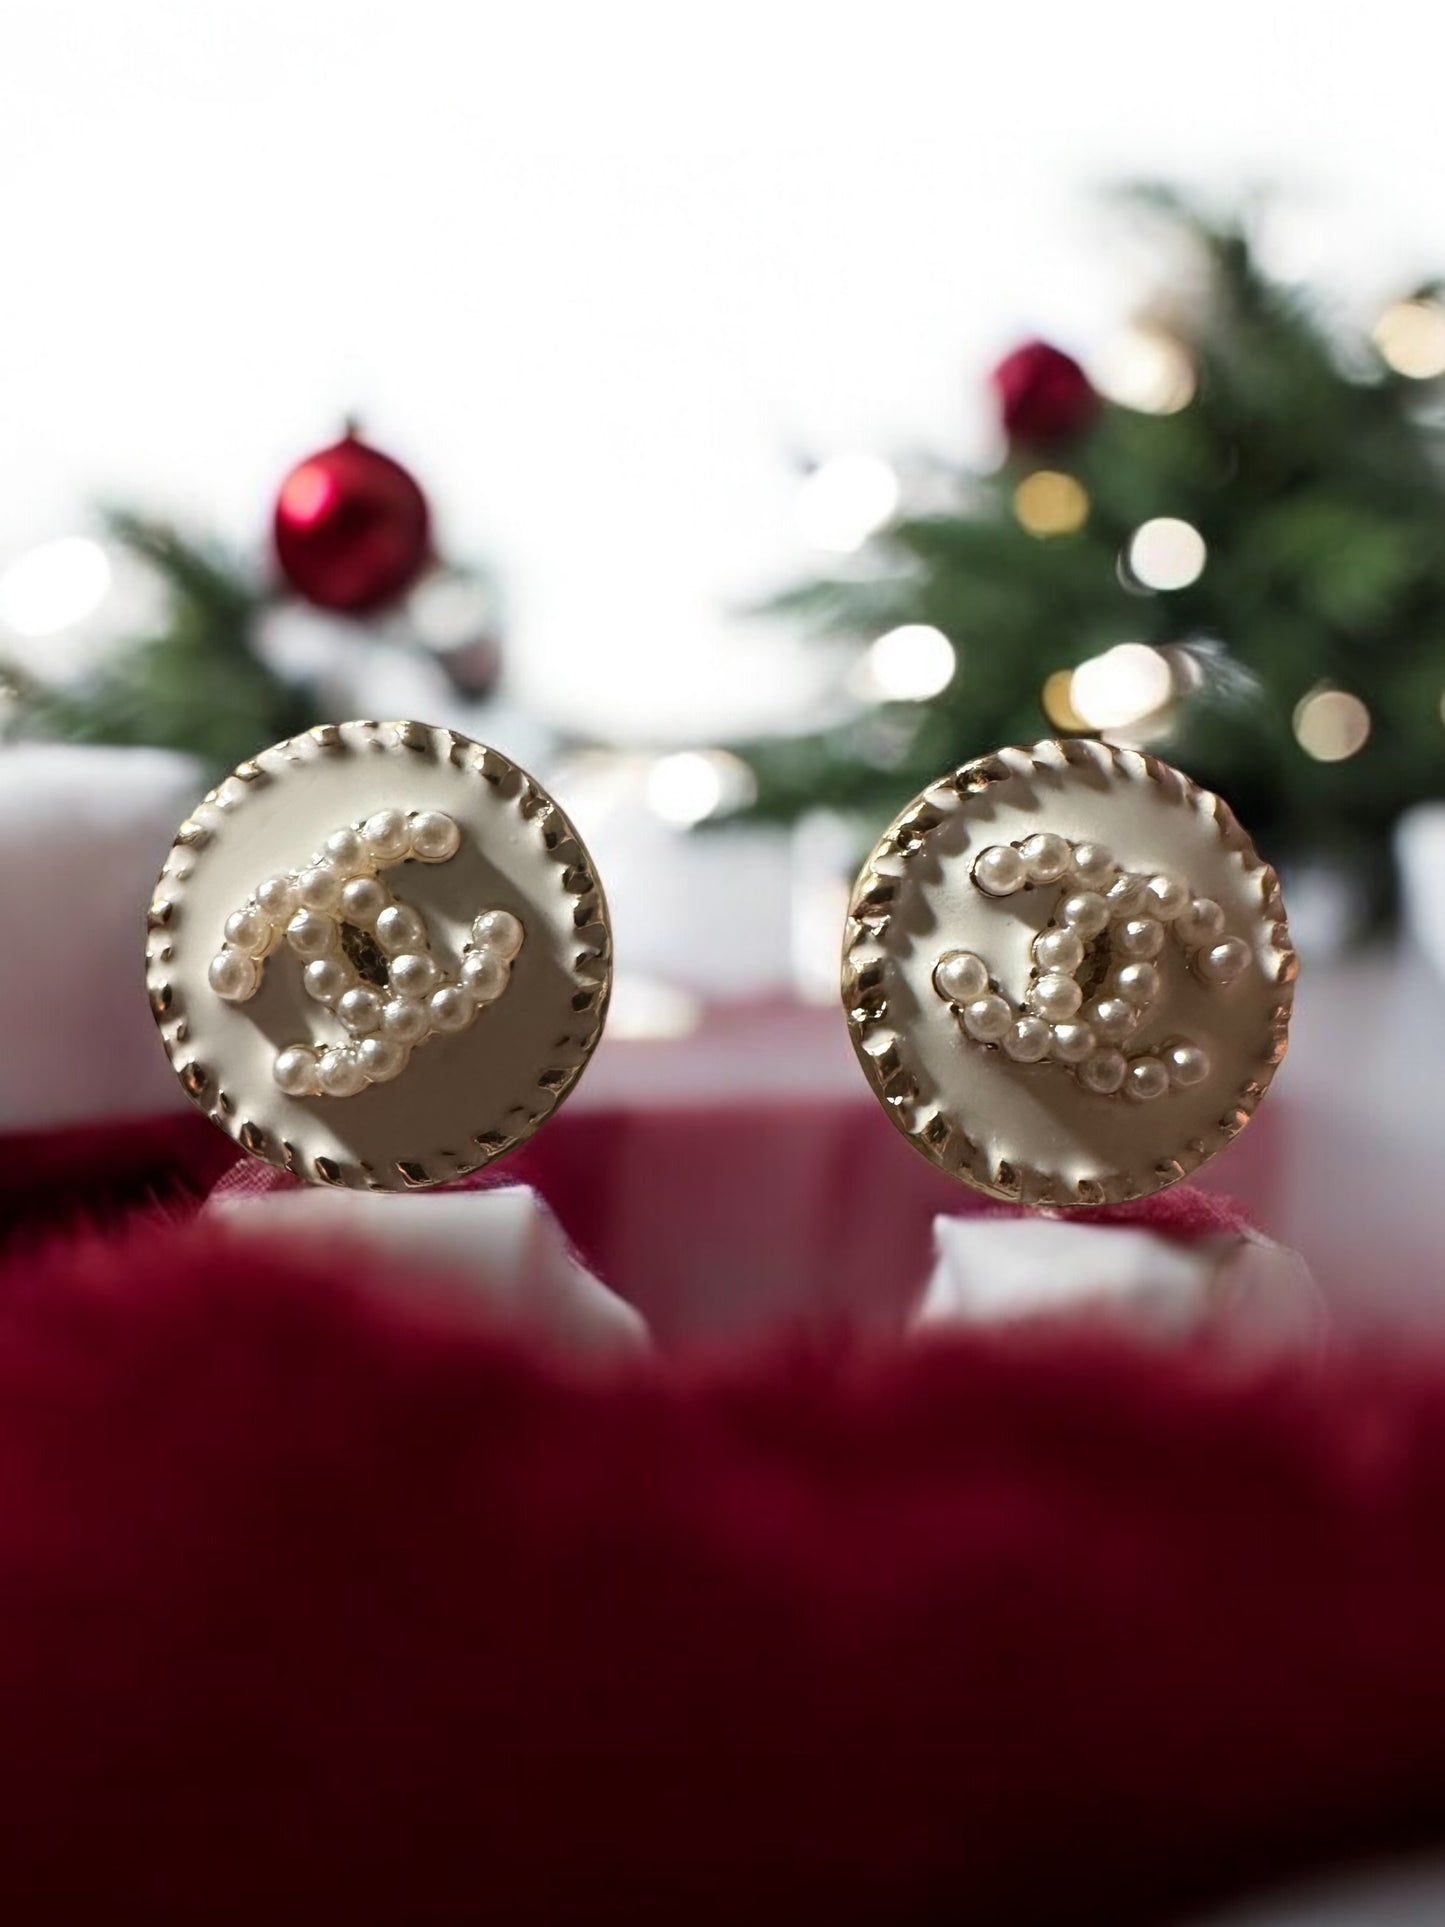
[(505, 1243), (83, 831), (991, 1270), (1420, 851)]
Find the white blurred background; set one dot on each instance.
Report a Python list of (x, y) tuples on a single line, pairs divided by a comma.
[(599, 275)]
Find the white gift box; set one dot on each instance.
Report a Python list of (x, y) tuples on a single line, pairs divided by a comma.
[(502, 1242), (992, 1271), (83, 831)]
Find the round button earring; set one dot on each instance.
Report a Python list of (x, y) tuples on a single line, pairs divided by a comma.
[(378, 955), (1067, 974)]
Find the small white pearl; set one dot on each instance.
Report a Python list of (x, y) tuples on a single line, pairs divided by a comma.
[(960, 977), (310, 934), (1058, 950), (249, 929), (1138, 983), (498, 930), (413, 974), (388, 834), (434, 836), (450, 1008), (277, 897), (1103, 1072), (1146, 1078), (1085, 913), (295, 1071), (1000, 870), (319, 888), (399, 928), (484, 976), (1028, 1040), (233, 975), (1168, 897), (986, 1019), (404, 1019), (363, 900), (1223, 961), (1112, 1018), (349, 852), (1046, 856), (1093, 865), (1073, 1042), (327, 979), (1186, 1064), (1127, 894), (1056, 997), (381, 1058), (359, 1009), (339, 1071), (1140, 937), (1201, 923)]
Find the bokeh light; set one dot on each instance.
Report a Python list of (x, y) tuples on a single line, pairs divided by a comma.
[(1166, 554), (691, 785), (1049, 502), (1410, 336), (1056, 702), (1331, 725), (846, 500), (910, 663), (53, 586), (1145, 369), (1121, 687)]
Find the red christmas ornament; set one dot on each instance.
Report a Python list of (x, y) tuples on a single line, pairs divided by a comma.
[(352, 528), (1044, 395)]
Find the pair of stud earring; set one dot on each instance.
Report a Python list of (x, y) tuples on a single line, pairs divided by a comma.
[(379, 956)]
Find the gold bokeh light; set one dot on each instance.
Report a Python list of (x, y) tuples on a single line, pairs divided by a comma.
[(1056, 701), (1048, 502), (1410, 336)]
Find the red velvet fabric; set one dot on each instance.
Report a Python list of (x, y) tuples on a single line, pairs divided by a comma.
[(320, 1604), (837, 1233)]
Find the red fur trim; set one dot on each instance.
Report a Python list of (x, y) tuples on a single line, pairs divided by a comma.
[(319, 1605)]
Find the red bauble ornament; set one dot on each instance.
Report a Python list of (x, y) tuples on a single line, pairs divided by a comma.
[(352, 528), (1044, 395)]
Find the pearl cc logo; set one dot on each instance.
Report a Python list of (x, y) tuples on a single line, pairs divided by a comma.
[(1096, 977), (367, 958)]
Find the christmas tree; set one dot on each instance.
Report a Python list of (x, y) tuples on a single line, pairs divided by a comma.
[(351, 539), (1247, 573)]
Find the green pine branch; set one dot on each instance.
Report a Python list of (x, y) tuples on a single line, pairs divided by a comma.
[(1317, 479), (196, 684)]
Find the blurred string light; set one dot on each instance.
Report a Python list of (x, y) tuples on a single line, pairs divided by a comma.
[(846, 500), (1146, 369), (1166, 554), (1122, 687), (1331, 725), (1056, 700), (908, 664), (1049, 502), (1410, 336), (53, 586), (691, 785)]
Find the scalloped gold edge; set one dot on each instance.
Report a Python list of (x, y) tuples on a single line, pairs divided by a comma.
[(937, 1136), (590, 970)]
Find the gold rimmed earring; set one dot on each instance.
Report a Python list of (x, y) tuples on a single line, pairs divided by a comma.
[(1067, 973), (378, 955)]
